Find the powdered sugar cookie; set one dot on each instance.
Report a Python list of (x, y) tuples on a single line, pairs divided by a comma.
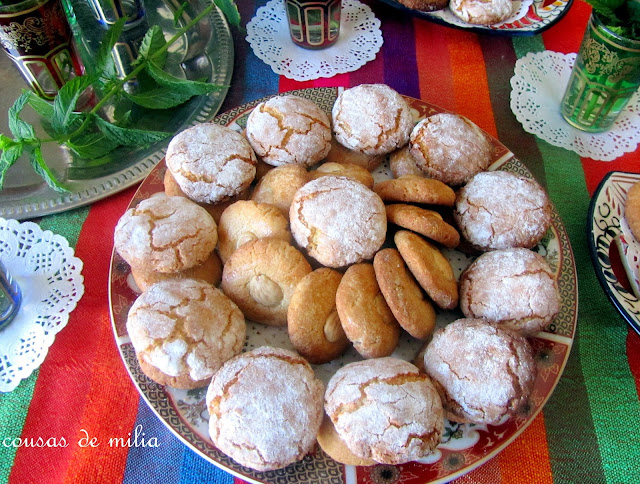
[(482, 12)]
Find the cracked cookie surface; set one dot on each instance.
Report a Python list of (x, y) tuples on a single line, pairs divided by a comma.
[(385, 410), (183, 331), (338, 221), (515, 288), (372, 119), (482, 12), (480, 393), (265, 408), (211, 163), (165, 234), (500, 210), (289, 130)]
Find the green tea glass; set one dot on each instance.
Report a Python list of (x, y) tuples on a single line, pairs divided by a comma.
[(605, 75)]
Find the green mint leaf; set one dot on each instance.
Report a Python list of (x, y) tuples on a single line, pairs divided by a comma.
[(194, 88), (103, 59), (178, 14), (10, 155), (92, 145), (41, 106), (41, 168), (152, 42), (129, 136), (160, 98), (65, 101), (230, 10), (6, 142), (20, 129)]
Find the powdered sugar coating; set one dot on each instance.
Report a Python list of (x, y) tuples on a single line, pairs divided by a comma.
[(211, 163), (499, 210), (186, 329), (165, 234), (483, 372), (449, 148), (385, 410), (515, 288), (265, 408), (338, 221), (482, 12), (372, 119), (289, 129)]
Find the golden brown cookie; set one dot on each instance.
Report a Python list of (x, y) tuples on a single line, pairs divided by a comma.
[(423, 221), (338, 221), (415, 189), (366, 318), (450, 148), (279, 185), (349, 170), (265, 408), (632, 210), (165, 234), (430, 268), (372, 119), (289, 129), (403, 294), (402, 162), (482, 12), (480, 393), (312, 319), (514, 288), (211, 163), (342, 154), (260, 278), (209, 271), (385, 410), (425, 5), (248, 220), (334, 446), (183, 330)]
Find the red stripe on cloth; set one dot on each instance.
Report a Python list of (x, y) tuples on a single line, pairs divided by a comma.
[(434, 64), (566, 35), (595, 170), (285, 84), (71, 359), (633, 356), (339, 80)]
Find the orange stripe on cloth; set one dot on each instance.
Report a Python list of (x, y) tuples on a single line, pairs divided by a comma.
[(66, 385), (489, 472), (470, 84), (434, 64), (526, 459)]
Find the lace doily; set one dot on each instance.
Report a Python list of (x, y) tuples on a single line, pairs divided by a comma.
[(538, 85), (520, 9), (359, 41), (43, 265)]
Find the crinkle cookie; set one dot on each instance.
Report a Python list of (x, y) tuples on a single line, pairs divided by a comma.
[(514, 288), (248, 220), (480, 393), (482, 12), (165, 234), (450, 148), (372, 119), (265, 408), (211, 163), (499, 210), (385, 410), (279, 185), (289, 130), (338, 221), (260, 277), (183, 331)]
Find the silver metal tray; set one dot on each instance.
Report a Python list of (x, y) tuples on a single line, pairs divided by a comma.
[(205, 52)]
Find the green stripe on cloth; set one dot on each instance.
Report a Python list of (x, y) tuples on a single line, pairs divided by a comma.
[(14, 406)]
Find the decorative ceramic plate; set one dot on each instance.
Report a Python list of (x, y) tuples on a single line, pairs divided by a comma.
[(539, 16), (463, 447), (205, 52), (606, 216)]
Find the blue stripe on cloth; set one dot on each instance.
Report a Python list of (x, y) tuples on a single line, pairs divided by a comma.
[(197, 470), (147, 464)]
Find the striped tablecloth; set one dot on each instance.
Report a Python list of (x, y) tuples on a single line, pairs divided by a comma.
[(589, 431)]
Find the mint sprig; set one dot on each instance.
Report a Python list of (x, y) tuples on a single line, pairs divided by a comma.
[(88, 134)]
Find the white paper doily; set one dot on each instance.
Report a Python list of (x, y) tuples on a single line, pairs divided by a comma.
[(43, 265), (520, 9), (359, 41), (538, 85)]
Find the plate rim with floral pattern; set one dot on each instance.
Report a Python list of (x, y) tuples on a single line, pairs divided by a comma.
[(603, 226), (184, 413), (541, 15)]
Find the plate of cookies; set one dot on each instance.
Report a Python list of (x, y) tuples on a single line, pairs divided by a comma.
[(325, 285), (613, 231), (505, 17)]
